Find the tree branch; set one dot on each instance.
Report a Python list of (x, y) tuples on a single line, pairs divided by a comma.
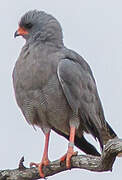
[(88, 162)]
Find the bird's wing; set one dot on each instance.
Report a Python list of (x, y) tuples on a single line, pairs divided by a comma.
[(80, 90)]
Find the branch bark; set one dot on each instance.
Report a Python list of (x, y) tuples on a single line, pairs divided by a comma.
[(88, 162)]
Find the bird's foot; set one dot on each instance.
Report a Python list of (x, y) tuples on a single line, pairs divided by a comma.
[(44, 162), (68, 156)]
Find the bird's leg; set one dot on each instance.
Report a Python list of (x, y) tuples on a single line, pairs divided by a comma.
[(70, 151), (45, 160)]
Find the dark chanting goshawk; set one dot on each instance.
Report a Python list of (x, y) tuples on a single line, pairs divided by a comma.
[(55, 88)]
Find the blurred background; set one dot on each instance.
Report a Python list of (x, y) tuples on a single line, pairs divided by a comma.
[(94, 30)]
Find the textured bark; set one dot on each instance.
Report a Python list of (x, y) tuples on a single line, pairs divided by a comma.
[(88, 162)]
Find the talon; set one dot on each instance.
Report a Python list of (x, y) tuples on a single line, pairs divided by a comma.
[(40, 166), (40, 170), (63, 158), (68, 158)]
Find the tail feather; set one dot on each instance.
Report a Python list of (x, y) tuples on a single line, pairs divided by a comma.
[(107, 133), (85, 146), (81, 143), (92, 126), (98, 127)]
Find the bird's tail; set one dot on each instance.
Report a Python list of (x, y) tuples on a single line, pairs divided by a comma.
[(85, 146), (81, 143), (99, 128), (107, 133)]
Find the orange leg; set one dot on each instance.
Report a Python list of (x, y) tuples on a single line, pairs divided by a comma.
[(70, 151), (45, 160)]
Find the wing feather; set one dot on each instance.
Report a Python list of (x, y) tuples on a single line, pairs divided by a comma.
[(81, 93)]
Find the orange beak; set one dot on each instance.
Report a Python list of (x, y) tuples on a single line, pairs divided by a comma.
[(20, 32)]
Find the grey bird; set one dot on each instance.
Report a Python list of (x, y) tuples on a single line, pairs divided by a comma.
[(55, 88)]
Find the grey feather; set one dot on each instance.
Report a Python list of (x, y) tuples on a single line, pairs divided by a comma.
[(54, 86)]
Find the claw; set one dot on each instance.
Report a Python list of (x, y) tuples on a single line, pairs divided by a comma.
[(68, 157), (63, 158), (70, 153), (40, 166)]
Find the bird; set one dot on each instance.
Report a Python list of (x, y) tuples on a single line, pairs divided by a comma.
[(55, 88)]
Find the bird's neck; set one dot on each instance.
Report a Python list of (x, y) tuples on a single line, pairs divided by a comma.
[(45, 39)]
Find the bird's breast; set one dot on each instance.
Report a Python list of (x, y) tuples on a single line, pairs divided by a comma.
[(38, 90), (34, 72)]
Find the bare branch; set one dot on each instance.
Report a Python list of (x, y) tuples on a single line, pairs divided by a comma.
[(88, 162)]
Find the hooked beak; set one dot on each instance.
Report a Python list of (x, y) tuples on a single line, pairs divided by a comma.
[(20, 32)]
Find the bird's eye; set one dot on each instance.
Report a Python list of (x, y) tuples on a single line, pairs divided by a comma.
[(28, 25)]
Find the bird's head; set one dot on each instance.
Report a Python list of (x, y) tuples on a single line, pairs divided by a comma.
[(35, 25)]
